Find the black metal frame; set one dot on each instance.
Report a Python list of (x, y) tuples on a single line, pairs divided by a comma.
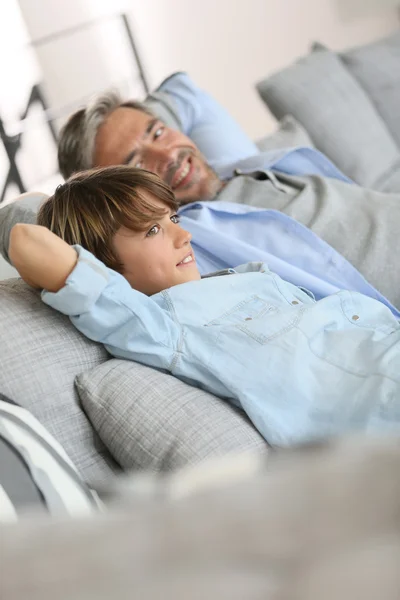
[(12, 143)]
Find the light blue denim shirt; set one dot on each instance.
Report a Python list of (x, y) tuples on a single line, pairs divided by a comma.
[(299, 368)]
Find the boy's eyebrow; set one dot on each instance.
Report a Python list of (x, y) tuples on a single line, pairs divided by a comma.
[(147, 131)]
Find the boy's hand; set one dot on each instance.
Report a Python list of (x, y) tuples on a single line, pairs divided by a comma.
[(42, 259)]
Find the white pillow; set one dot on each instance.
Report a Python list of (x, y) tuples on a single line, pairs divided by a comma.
[(35, 472)]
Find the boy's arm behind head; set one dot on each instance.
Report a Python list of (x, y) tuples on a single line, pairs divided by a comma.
[(42, 259)]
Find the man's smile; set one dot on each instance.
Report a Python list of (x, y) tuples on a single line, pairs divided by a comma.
[(183, 174)]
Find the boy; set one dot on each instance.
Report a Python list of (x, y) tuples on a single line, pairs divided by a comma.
[(300, 369)]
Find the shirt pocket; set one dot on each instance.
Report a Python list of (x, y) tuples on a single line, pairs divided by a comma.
[(258, 319), (367, 313), (355, 335)]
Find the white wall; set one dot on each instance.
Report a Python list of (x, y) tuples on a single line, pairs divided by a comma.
[(228, 45), (77, 60)]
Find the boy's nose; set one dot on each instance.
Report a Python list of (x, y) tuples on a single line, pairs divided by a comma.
[(183, 237)]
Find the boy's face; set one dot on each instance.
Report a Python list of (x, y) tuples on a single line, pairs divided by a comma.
[(132, 137), (159, 257)]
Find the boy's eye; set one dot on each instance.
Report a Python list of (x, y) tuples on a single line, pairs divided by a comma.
[(158, 132), (153, 231), (175, 218)]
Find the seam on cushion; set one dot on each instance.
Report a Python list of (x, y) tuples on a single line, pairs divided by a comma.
[(81, 386), (128, 433)]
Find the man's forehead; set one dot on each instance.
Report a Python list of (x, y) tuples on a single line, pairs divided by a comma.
[(126, 113), (117, 136)]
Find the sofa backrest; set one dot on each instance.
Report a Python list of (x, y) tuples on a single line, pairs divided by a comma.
[(41, 353), (348, 103), (376, 67)]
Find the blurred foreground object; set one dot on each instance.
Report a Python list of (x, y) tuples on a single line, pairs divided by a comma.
[(315, 523)]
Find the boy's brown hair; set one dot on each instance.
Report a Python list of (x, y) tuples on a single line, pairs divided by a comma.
[(91, 206)]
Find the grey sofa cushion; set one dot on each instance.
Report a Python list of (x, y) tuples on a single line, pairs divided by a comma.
[(320, 92), (41, 353), (377, 68), (290, 133), (152, 420)]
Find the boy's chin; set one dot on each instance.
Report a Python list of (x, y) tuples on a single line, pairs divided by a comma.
[(192, 277)]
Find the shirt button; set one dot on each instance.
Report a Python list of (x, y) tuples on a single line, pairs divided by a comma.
[(355, 317), (295, 302), (248, 319)]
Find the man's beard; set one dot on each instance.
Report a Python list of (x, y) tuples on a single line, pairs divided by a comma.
[(214, 183)]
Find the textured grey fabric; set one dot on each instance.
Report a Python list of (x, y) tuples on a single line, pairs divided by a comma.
[(316, 524), (41, 353), (377, 68), (23, 210), (320, 92), (290, 133), (152, 420)]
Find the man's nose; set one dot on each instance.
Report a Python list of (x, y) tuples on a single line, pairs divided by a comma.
[(158, 157)]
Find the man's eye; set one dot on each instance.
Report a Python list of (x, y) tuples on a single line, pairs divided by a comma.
[(175, 218), (158, 132), (139, 165), (153, 231)]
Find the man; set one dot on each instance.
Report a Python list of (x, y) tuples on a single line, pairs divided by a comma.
[(307, 190)]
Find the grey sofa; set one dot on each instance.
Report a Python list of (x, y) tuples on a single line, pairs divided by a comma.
[(348, 103)]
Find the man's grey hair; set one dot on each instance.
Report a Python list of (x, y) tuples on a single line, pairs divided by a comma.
[(78, 136)]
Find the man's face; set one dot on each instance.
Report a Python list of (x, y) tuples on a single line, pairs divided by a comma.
[(132, 137)]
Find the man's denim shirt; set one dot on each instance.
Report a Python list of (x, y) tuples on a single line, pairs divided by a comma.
[(299, 368)]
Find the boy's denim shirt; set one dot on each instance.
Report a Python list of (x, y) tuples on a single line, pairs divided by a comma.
[(300, 369)]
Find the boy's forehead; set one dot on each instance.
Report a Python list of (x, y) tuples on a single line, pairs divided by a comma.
[(153, 201)]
